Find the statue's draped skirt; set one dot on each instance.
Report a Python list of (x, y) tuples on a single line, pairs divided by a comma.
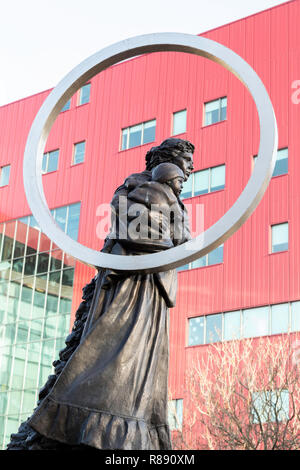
[(113, 392)]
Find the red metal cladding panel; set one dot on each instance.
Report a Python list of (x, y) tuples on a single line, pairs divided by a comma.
[(294, 210), (136, 90), (232, 283)]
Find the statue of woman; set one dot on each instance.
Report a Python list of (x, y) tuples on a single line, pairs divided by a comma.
[(112, 393)]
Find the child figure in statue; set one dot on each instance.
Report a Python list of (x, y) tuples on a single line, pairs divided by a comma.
[(112, 393)]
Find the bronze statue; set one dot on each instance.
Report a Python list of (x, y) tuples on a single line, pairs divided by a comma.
[(110, 388)]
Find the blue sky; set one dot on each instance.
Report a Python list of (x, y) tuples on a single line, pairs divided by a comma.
[(42, 40)]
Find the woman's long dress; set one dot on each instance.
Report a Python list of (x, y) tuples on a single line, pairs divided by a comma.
[(113, 392)]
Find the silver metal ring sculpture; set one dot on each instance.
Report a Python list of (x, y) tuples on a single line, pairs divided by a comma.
[(214, 235)]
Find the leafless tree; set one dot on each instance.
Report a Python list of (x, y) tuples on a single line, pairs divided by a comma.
[(243, 395)]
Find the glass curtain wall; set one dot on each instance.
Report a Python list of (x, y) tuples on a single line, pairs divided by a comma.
[(36, 288)]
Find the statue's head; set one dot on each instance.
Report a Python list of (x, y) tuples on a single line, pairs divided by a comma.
[(177, 151)]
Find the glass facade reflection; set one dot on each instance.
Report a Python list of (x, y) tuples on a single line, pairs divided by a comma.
[(36, 288)]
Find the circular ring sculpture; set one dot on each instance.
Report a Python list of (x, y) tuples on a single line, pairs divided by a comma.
[(213, 236)]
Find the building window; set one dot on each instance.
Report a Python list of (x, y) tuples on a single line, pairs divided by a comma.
[(215, 111), (204, 181), (196, 331), (78, 153), (36, 291), (281, 165), (66, 106), (4, 175), (179, 122), (255, 322), (205, 329), (72, 222), (270, 406), (175, 414), (84, 94), (213, 330), (214, 257), (67, 217), (232, 325), (248, 323), (139, 134), (50, 161), (280, 237)]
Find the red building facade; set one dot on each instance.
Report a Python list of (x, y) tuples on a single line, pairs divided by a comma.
[(250, 272)]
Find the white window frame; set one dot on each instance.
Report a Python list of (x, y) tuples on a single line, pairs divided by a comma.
[(271, 236), (209, 181), (267, 396), (128, 134), (46, 171)]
